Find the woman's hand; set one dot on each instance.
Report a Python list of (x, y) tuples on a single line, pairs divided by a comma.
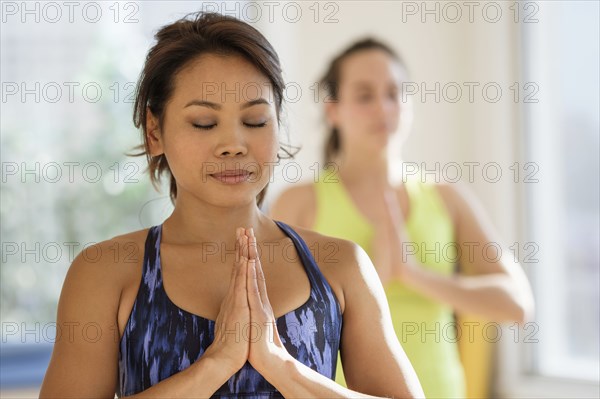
[(266, 348), (391, 242), (231, 343)]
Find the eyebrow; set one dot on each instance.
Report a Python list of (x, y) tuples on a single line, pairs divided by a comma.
[(364, 86), (217, 107)]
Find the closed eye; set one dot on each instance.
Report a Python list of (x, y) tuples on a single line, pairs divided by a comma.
[(209, 127), (255, 126), (203, 127)]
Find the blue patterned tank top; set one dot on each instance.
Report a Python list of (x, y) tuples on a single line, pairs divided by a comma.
[(161, 339)]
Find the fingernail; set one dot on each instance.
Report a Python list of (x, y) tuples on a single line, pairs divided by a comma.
[(251, 231)]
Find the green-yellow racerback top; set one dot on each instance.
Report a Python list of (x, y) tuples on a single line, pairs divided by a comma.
[(425, 328)]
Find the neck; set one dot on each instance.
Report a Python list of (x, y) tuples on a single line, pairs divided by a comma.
[(194, 221), (360, 166)]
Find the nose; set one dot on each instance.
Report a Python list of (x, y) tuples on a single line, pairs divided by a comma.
[(380, 107), (385, 106), (232, 152), (231, 144)]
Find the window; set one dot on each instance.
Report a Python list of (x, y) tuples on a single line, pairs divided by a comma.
[(68, 79), (561, 54)]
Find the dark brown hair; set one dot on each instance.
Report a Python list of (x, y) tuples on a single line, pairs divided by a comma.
[(181, 42), (330, 82)]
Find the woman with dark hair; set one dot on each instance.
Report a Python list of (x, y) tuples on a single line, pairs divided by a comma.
[(413, 231), (220, 300)]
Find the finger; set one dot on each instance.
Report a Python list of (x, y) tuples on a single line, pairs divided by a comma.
[(245, 246), (237, 253), (254, 299), (238, 242), (260, 276), (241, 263), (236, 265), (261, 282), (241, 297), (234, 284), (253, 246)]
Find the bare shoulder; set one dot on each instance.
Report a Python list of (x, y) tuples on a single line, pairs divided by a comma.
[(97, 277), (341, 261), (454, 196), (461, 202), (114, 247), (295, 205), (127, 250), (343, 251), (105, 269), (88, 314)]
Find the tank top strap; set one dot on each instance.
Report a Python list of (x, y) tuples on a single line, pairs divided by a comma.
[(151, 273), (320, 288)]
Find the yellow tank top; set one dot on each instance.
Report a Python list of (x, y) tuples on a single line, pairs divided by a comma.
[(425, 328)]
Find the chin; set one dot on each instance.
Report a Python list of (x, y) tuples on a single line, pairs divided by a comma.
[(382, 139), (232, 201)]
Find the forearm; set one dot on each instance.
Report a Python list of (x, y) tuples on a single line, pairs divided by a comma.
[(200, 380), (497, 297), (296, 380), (494, 296)]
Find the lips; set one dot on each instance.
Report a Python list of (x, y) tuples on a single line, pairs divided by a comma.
[(233, 176), (233, 172)]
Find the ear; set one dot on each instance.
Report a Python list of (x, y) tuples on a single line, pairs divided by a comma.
[(331, 113), (153, 134)]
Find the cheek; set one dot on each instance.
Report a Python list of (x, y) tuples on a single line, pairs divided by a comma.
[(186, 155), (182, 149), (265, 147), (264, 155), (395, 111), (354, 114)]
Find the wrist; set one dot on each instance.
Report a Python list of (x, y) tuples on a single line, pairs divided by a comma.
[(406, 271), (208, 373), (279, 366), (225, 368), (414, 275)]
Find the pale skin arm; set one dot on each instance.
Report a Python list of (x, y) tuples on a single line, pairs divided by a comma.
[(497, 290), (374, 363)]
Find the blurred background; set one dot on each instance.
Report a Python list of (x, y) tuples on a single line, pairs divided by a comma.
[(505, 91)]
